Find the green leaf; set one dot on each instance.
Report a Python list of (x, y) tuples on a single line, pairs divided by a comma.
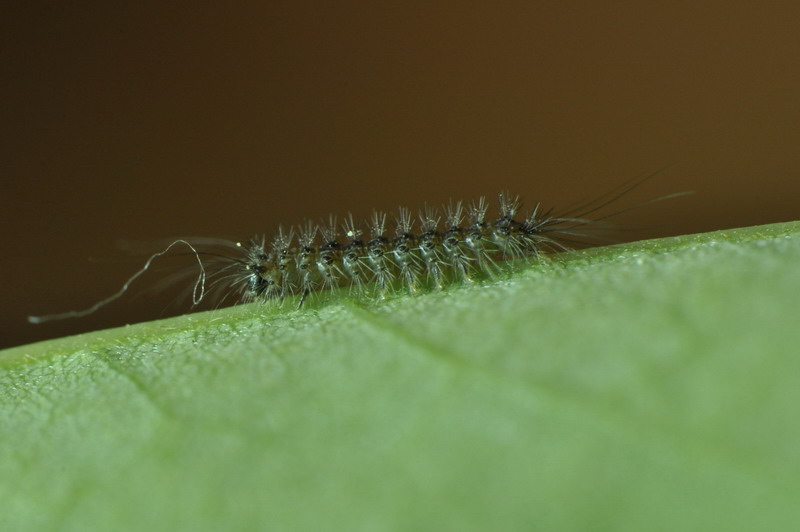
[(647, 386)]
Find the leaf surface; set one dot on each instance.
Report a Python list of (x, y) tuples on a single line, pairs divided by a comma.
[(645, 386)]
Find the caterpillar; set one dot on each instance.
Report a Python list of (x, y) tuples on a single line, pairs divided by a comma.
[(459, 243)]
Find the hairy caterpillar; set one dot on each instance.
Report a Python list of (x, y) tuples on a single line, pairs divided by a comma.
[(385, 258), (459, 243)]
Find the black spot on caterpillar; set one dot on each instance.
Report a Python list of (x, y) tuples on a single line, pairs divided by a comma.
[(459, 243)]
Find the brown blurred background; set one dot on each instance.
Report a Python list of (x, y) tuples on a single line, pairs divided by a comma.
[(144, 122)]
